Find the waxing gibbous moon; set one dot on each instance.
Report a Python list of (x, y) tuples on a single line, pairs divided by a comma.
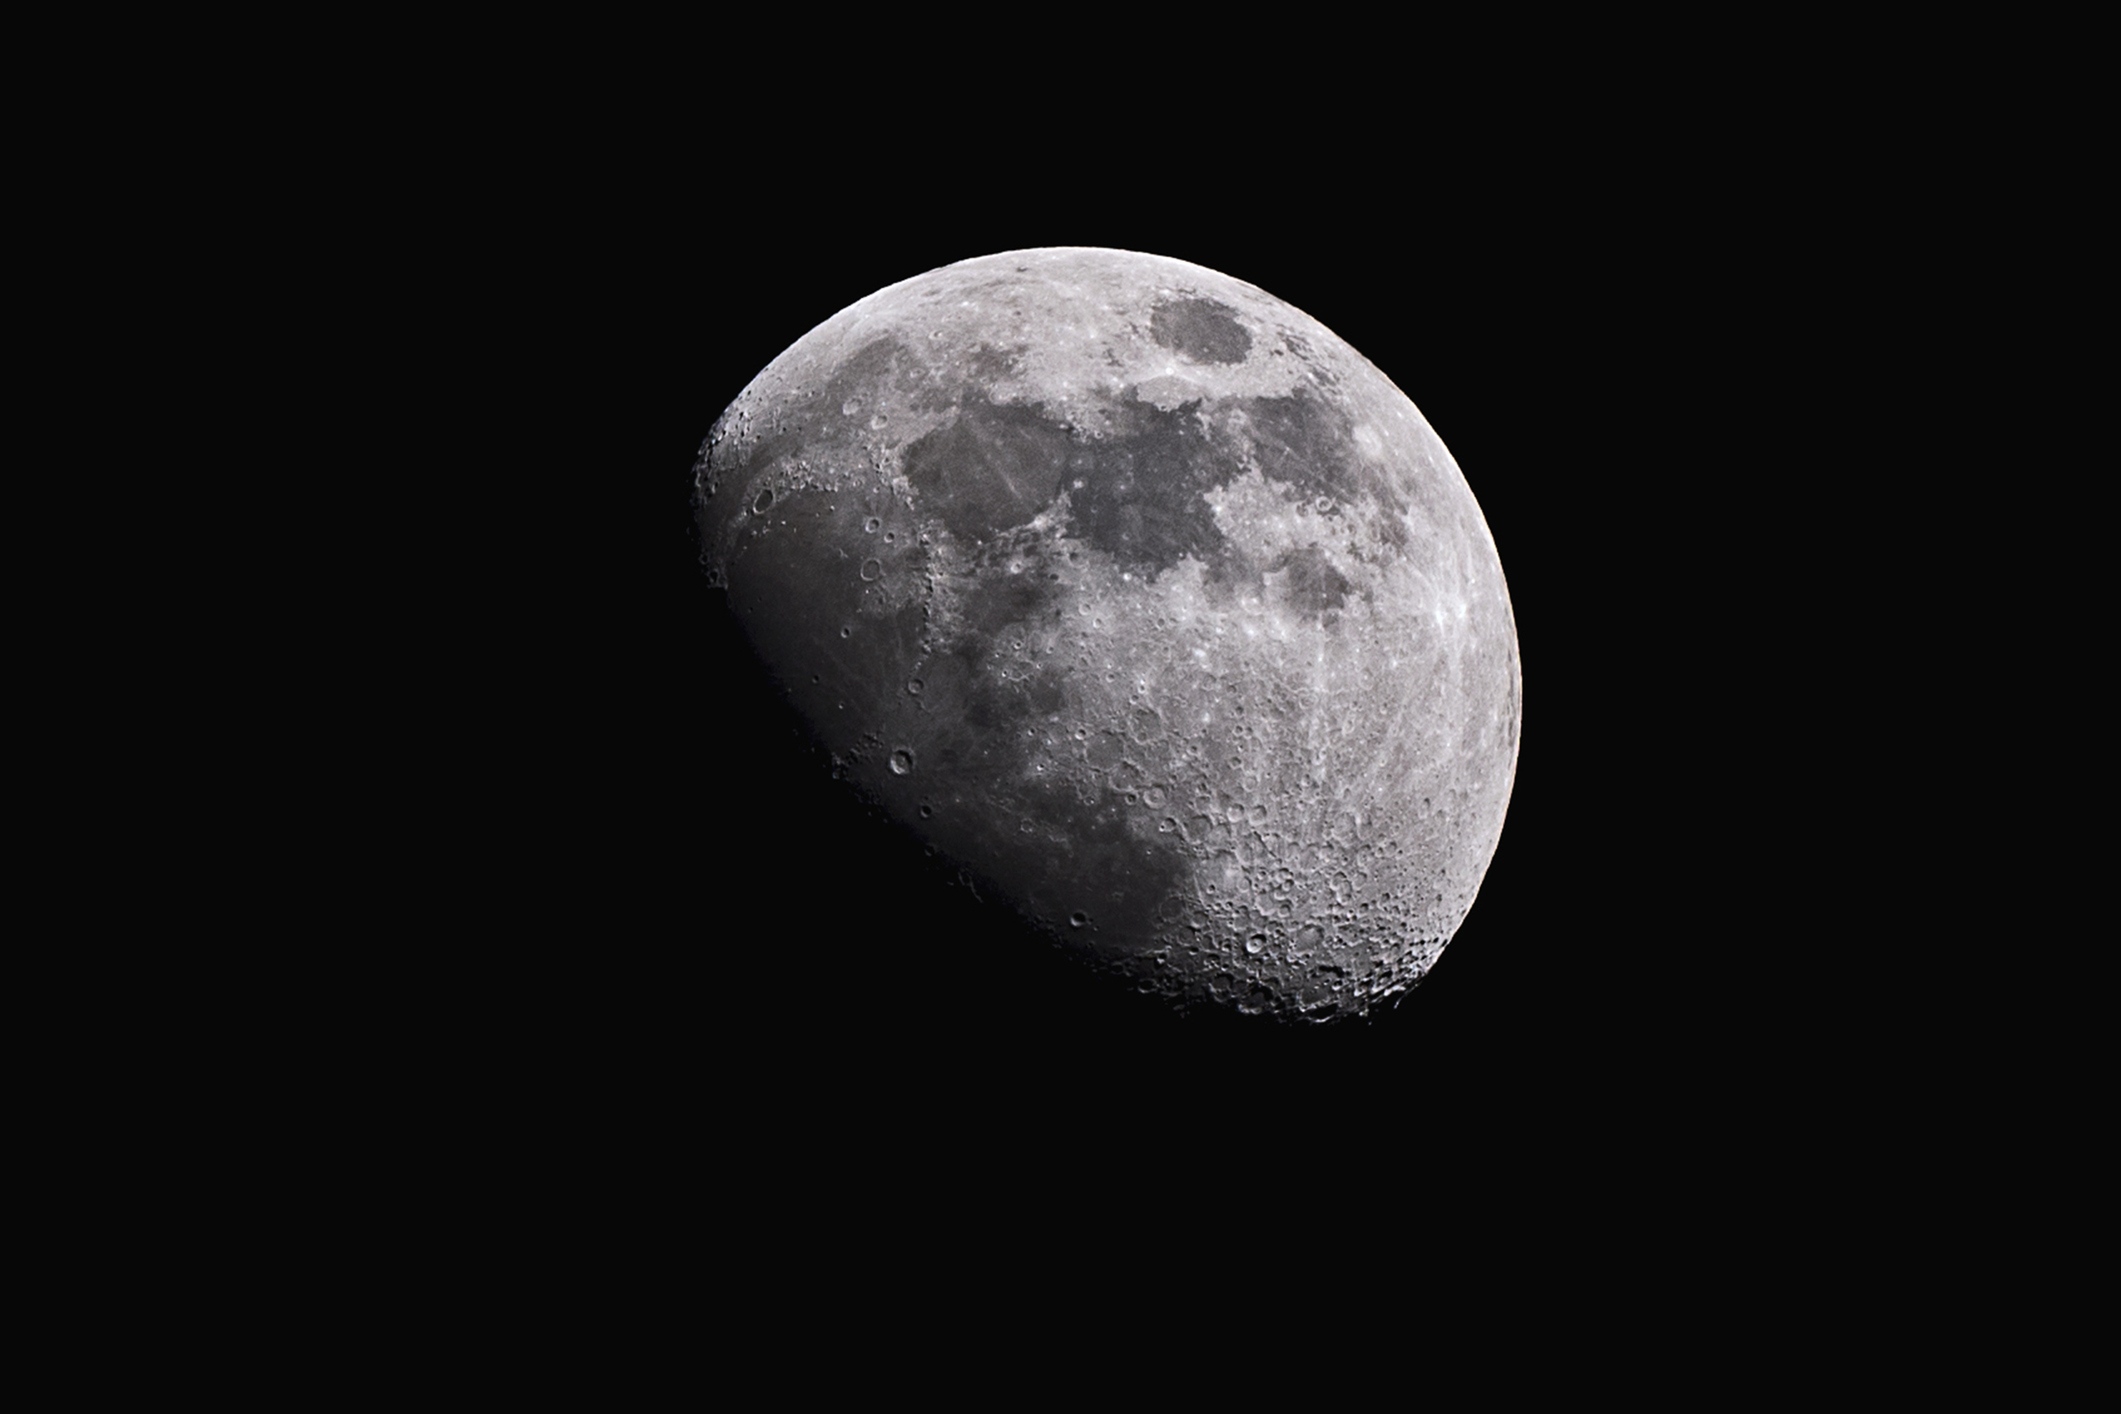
[(1148, 603)]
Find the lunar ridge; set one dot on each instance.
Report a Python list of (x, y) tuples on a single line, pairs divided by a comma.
[(1148, 603)]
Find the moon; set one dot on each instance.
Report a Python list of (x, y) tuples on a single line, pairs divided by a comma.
[(1147, 603)]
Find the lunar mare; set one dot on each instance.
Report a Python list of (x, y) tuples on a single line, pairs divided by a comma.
[(1146, 601)]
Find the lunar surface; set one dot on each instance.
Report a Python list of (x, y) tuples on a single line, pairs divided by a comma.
[(1145, 601)]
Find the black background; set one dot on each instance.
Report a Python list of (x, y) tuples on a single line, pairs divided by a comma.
[(621, 944), (564, 982), (704, 941), (610, 970)]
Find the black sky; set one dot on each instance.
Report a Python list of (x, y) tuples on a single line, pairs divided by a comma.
[(708, 931)]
